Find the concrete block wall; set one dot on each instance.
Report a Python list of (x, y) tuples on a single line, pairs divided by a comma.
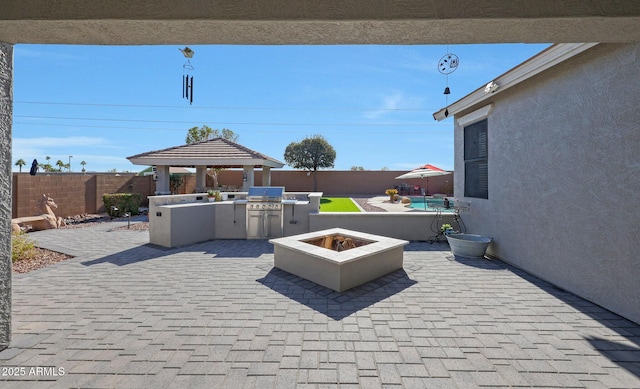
[(64, 189), (339, 182), (77, 193), (73, 193)]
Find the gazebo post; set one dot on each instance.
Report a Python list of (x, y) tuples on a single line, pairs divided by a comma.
[(266, 176), (201, 178), (162, 184), (248, 182)]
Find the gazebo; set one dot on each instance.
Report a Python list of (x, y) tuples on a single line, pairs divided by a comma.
[(214, 153)]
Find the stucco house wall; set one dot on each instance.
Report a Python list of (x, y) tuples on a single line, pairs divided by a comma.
[(564, 176)]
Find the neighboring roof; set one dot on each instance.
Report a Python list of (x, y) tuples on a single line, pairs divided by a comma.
[(542, 61), (218, 152)]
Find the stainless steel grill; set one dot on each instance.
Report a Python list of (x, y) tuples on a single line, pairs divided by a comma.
[(264, 212)]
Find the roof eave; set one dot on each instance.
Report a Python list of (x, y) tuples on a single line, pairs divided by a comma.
[(535, 65), (155, 161)]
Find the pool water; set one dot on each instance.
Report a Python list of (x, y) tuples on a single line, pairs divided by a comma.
[(418, 203)]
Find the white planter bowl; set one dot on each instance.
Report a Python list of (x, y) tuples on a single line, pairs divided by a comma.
[(468, 245)]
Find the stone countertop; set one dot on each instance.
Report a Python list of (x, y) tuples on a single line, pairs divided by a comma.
[(228, 202), (185, 205)]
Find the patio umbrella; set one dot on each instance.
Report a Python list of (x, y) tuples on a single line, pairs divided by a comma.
[(422, 172)]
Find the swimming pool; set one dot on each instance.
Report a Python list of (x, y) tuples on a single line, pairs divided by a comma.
[(432, 204)]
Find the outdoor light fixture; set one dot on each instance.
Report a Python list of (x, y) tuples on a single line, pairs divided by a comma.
[(491, 87)]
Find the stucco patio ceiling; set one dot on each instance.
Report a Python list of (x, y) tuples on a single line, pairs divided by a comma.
[(116, 22)]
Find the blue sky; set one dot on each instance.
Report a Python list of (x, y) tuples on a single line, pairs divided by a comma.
[(373, 104)]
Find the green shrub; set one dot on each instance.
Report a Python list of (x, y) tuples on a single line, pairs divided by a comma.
[(22, 247), (123, 202)]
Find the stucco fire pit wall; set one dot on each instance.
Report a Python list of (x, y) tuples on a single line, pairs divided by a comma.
[(338, 270)]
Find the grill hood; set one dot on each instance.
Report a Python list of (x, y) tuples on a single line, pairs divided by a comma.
[(265, 193)]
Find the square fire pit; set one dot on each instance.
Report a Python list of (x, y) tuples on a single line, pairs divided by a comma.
[(338, 259)]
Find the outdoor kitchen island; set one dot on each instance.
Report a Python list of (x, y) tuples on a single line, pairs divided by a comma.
[(180, 220)]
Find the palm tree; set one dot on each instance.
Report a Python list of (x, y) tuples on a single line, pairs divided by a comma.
[(47, 166), (60, 165), (83, 163), (20, 163)]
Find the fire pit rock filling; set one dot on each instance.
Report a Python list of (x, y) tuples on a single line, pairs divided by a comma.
[(337, 242), (338, 259)]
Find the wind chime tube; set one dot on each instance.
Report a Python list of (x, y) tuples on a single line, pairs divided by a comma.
[(183, 86), (191, 96)]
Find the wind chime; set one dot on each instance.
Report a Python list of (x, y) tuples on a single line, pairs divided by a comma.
[(187, 78), (447, 65)]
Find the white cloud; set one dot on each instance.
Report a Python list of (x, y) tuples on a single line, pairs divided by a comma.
[(48, 142), (79, 147), (391, 102)]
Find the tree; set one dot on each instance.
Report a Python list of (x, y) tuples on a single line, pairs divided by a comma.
[(20, 163), (311, 154), (176, 181), (47, 166), (199, 134), (60, 165), (357, 168), (83, 163)]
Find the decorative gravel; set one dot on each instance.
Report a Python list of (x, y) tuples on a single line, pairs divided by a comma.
[(363, 202), (41, 259)]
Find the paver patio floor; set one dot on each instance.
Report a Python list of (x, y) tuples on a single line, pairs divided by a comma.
[(216, 314)]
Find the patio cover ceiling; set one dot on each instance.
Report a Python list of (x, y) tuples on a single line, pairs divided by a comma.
[(143, 22), (218, 153)]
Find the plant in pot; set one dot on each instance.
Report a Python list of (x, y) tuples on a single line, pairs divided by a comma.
[(446, 229), (392, 193), (214, 195)]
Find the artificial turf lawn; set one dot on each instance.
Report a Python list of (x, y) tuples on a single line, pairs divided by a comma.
[(337, 204)]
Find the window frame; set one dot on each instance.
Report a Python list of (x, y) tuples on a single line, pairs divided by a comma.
[(476, 159)]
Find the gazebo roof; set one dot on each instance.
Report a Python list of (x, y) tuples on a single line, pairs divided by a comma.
[(218, 152)]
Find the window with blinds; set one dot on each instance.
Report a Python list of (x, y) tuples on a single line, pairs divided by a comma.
[(476, 167)]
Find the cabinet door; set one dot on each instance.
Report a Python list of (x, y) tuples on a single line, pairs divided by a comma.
[(255, 225), (273, 225)]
